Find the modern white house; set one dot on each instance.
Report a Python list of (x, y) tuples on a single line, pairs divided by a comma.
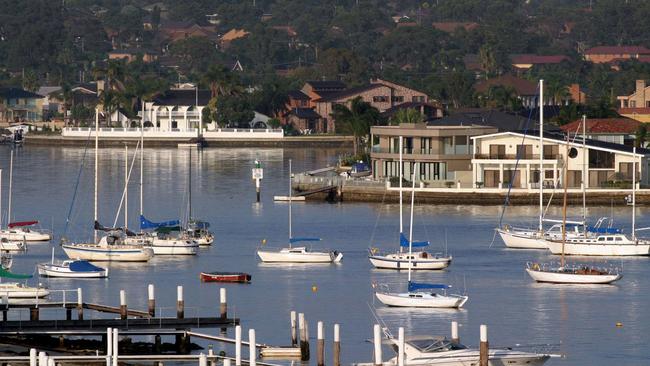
[(513, 157), (176, 110)]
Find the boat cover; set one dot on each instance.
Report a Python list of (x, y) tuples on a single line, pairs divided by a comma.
[(296, 240), (84, 266), (168, 229), (416, 244), (413, 286), (604, 230), (360, 167), (100, 227), (22, 223), (6, 274), (146, 224)]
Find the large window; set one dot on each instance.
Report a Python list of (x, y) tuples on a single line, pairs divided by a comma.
[(551, 151), (425, 145), (380, 99), (497, 151), (601, 159), (524, 151)]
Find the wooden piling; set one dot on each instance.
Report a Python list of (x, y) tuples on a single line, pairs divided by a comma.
[(41, 358), (157, 345), (484, 347), (123, 309), (223, 308), (400, 347), (238, 345), (304, 340), (320, 345), (213, 362), (454, 333), (33, 313), (252, 355), (377, 343), (180, 304), (80, 304), (294, 335), (51, 362), (68, 314), (336, 348), (226, 362), (151, 303)]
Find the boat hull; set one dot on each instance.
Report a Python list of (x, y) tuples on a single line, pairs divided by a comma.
[(20, 235), (308, 257), (49, 270), (494, 359), (233, 277), (522, 240), (594, 249), (437, 301), (93, 252), (173, 247), (12, 246), (572, 278), (387, 262), (14, 290)]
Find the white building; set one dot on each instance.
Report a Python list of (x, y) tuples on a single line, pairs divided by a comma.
[(176, 110), (505, 157)]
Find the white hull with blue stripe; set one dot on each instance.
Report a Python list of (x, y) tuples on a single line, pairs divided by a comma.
[(419, 261), (108, 252)]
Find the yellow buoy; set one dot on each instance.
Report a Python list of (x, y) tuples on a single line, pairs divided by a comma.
[(619, 324), (314, 288)]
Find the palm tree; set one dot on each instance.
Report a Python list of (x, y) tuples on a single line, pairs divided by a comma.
[(557, 91), (406, 115), (355, 120), (220, 81)]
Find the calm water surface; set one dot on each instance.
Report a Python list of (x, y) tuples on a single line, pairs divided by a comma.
[(582, 320)]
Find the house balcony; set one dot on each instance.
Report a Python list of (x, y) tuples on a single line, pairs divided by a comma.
[(420, 153), (514, 157)]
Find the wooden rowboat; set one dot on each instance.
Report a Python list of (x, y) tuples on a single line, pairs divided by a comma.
[(238, 277)]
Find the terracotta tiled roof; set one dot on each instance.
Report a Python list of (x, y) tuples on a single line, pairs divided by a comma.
[(450, 27), (234, 34), (604, 126), (616, 50), (537, 59), (521, 86)]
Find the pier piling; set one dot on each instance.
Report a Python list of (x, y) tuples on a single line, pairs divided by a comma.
[(320, 345), (252, 355), (116, 345), (223, 308), (33, 313), (336, 347), (484, 347), (42, 358), (80, 304), (454, 333), (238, 345), (304, 337), (400, 347), (203, 360), (180, 304), (377, 343), (151, 304), (213, 362), (294, 336), (123, 308), (157, 345), (32, 357), (109, 346), (226, 362)]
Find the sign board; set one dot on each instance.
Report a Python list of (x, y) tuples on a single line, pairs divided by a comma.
[(258, 173)]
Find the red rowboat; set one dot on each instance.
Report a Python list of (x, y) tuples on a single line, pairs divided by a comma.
[(239, 277)]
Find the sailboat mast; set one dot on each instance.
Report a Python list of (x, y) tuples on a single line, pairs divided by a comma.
[(11, 179), (96, 167), (541, 154), (0, 198), (290, 196), (411, 220), (401, 174), (189, 185), (126, 186), (142, 162), (564, 199), (584, 174), (633, 193)]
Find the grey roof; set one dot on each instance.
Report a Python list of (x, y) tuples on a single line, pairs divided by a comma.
[(325, 85), (306, 113), (349, 92), (182, 97), (298, 95), (489, 117), (47, 90), (15, 93), (561, 137)]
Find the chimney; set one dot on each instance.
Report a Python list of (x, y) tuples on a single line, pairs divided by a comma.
[(640, 85)]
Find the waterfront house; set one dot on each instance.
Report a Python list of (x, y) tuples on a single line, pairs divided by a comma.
[(513, 157), (19, 105), (608, 54), (637, 104), (176, 109), (619, 130), (444, 153)]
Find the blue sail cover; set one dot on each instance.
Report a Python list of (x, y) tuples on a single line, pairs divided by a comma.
[(413, 286), (416, 244), (84, 266), (146, 224), (296, 240), (604, 230)]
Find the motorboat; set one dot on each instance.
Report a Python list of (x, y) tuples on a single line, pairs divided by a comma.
[(415, 298), (17, 290), (609, 245), (12, 245), (234, 277), (71, 269), (109, 248), (24, 231), (440, 351), (299, 255), (572, 274)]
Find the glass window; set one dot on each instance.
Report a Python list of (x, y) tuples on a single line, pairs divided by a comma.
[(601, 159)]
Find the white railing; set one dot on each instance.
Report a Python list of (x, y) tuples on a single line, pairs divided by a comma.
[(156, 132), (256, 133)]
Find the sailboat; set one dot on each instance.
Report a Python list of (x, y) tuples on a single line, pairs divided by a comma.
[(418, 260), (197, 230), (109, 247), (300, 254), (416, 297), (70, 269), (570, 274), (22, 230)]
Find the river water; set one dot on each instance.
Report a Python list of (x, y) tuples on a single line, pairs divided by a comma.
[(580, 320)]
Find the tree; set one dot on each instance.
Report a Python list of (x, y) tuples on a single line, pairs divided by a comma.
[(234, 111), (502, 97), (30, 80), (406, 115), (488, 60), (220, 80), (640, 136), (356, 120)]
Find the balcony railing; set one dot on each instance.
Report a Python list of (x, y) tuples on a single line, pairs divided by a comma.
[(516, 156)]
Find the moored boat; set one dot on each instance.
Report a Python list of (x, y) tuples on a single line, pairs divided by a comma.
[(236, 277), (12, 245), (299, 255), (109, 248), (573, 275), (71, 269)]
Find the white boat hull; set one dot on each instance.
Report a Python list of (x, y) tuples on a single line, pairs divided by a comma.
[(495, 358), (395, 262), (49, 270), (425, 301), (522, 240), (118, 253), (19, 235), (559, 277), (204, 240), (14, 290), (596, 249), (304, 257), (12, 246), (174, 247)]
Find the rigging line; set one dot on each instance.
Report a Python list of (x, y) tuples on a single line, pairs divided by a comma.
[(126, 186), (374, 229), (76, 186)]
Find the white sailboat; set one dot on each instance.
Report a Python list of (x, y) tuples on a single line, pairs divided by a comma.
[(23, 230), (418, 260), (300, 254), (110, 247), (416, 297), (569, 274), (70, 269)]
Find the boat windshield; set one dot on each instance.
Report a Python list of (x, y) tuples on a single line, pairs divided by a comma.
[(434, 345)]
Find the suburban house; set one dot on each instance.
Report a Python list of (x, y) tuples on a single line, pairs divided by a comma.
[(52, 101), (527, 61), (615, 130), (444, 153), (505, 158), (451, 27), (175, 31), (637, 104), (176, 109), (18, 105), (526, 91), (230, 36), (607, 54), (132, 54)]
